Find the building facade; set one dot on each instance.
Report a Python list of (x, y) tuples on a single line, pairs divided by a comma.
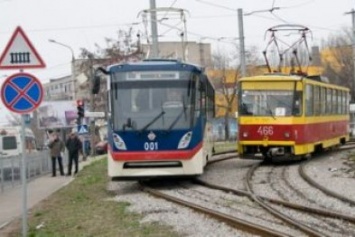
[(59, 89), (192, 52)]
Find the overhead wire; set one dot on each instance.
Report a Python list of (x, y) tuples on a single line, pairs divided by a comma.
[(217, 5)]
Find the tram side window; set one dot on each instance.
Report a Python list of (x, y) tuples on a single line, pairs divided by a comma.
[(201, 103), (209, 107), (316, 97), (338, 102), (309, 100), (209, 100), (298, 104), (347, 102), (335, 98), (322, 101), (343, 103), (329, 101)]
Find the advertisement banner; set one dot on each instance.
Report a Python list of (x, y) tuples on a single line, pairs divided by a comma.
[(58, 114)]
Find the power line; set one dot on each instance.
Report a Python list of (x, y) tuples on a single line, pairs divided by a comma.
[(77, 27), (217, 5)]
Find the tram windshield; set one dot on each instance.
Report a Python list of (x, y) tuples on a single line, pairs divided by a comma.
[(153, 103), (276, 103)]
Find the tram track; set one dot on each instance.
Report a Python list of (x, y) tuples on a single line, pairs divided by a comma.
[(320, 222), (314, 211), (322, 211), (326, 220), (315, 184), (235, 222), (318, 211), (241, 222)]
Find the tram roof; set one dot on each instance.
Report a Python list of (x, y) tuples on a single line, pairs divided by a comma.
[(290, 77), (155, 65)]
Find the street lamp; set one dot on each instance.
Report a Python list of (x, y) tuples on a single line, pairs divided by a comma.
[(72, 64)]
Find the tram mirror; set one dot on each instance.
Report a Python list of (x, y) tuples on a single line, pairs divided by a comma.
[(95, 85), (129, 124)]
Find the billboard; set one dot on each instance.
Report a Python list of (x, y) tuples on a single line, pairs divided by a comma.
[(57, 114)]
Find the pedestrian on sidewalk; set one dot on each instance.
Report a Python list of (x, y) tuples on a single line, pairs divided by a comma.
[(56, 147), (74, 146)]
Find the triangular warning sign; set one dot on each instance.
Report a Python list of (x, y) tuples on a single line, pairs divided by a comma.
[(82, 129), (20, 53)]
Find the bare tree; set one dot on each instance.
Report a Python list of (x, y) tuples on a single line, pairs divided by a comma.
[(225, 83), (117, 50), (338, 62), (225, 80)]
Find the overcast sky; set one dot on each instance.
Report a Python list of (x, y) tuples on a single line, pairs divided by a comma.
[(84, 23)]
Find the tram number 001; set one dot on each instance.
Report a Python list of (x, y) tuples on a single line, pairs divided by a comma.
[(266, 130), (150, 146)]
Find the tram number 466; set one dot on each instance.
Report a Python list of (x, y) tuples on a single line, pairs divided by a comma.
[(266, 130), (150, 146)]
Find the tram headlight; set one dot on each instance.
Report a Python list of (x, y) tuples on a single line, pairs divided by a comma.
[(118, 142), (185, 140), (245, 134), (287, 135)]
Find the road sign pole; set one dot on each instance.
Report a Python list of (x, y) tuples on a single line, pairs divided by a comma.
[(23, 178)]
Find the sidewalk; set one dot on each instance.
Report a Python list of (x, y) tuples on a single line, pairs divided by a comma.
[(37, 190)]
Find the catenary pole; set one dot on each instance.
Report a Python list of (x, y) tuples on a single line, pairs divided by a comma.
[(353, 46), (241, 42), (73, 76), (154, 28), (352, 12)]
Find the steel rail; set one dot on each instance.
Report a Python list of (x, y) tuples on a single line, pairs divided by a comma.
[(230, 220), (326, 191), (278, 214), (322, 212)]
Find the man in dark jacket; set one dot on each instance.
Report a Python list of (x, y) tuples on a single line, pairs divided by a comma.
[(56, 146), (74, 146)]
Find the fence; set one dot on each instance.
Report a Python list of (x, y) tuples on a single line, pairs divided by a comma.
[(37, 164)]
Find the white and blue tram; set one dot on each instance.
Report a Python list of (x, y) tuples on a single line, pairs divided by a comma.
[(159, 119)]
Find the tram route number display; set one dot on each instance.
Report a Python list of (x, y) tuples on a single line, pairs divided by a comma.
[(150, 146), (265, 130)]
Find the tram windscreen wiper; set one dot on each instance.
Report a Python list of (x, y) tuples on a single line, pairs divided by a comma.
[(183, 111), (269, 110), (153, 121)]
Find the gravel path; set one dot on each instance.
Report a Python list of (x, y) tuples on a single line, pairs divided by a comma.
[(336, 172)]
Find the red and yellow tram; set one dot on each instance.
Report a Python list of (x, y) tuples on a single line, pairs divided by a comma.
[(290, 116)]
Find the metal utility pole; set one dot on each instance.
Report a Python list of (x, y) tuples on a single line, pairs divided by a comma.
[(352, 12), (353, 45), (92, 108), (72, 66), (23, 177), (154, 28), (241, 42)]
